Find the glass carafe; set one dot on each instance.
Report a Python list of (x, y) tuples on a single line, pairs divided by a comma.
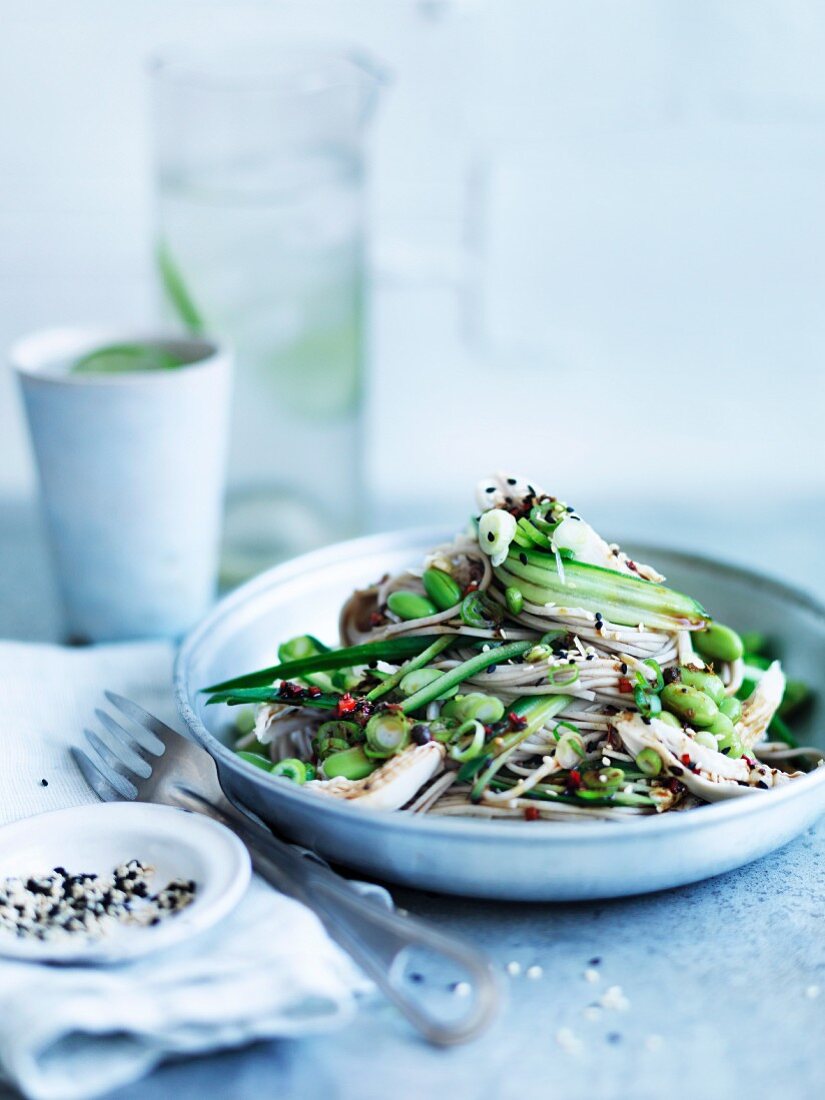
[(260, 173)]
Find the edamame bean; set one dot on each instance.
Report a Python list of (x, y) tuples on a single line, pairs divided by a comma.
[(669, 719), (415, 681), (731, 708), (262, 762), (514, 599), (475, 706), (730, 744), (696, 708), (707, 739), (296, 648), (410, 605), (441, 588), (350, 764), (703, 681), (727, 739), (245, 721), (649, 762), (721, 725), (719, 643)]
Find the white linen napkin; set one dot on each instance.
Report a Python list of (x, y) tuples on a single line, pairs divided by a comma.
[(268, 970)]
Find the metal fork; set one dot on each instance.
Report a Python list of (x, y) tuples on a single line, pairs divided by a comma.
[(151, 762)]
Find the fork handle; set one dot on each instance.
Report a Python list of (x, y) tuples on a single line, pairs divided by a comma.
[(381, 940)]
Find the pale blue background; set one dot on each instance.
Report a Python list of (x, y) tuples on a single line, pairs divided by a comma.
[(598, 242), (597, 237)]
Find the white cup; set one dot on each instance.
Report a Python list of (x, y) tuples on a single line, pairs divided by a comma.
[(132, 469)]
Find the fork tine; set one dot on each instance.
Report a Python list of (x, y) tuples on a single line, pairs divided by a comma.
[(95, 778), (112, 768), (122, 744), (157, 730), (144, 734)]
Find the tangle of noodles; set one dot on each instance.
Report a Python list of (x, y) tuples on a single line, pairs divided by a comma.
[(606, 754)]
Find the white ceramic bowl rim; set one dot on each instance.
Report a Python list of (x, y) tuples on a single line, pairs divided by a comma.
[(703, 817), (35, 356)]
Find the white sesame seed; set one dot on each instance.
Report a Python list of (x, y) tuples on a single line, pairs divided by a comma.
[(534, 972), (592, 1013), (614, 998), (462, 989), (812, 992), (591, 975), (513, 968), (568, 1041)]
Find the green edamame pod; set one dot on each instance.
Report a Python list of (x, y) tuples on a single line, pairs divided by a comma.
[(719, 643), (693, 706), (703, 681), (410, 605), (731, 708), (441, 588)]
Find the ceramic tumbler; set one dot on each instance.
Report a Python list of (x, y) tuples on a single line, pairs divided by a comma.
[(131, 468)]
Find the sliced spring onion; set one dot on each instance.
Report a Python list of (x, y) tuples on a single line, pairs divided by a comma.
[(291, 768), (387, 733), (469, 742)]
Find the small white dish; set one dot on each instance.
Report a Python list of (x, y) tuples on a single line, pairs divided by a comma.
[(97, 838)]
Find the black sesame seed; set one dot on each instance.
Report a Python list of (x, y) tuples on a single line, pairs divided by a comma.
[(44, 782), (416, 977), (491, 537), (511, 481), (420, 734), (595, 961), (522, 558), (490, 489)]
